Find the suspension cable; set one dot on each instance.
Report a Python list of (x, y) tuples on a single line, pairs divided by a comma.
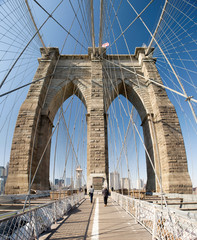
[(183, 89), (27, 45)]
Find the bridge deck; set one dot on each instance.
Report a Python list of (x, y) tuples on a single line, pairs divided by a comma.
[(94, 221)]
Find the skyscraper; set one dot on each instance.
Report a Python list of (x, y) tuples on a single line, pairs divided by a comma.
[(2, 171), (114, 180)]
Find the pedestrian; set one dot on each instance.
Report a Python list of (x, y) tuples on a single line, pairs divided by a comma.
[(91, 193), (105, 193)]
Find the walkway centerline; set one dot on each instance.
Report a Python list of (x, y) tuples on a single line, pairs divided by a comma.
[(95, 227)]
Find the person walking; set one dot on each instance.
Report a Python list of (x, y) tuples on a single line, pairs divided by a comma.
[(105, 193), (91, 193)]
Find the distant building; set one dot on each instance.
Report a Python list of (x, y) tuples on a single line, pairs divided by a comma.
[(125, 183), (3, 177), (6, 169), (114, 180), (59, 183), (68, 182), (2, 171), (72, 184), (56, 181), (2, 185), (140, 184), (78, 177)]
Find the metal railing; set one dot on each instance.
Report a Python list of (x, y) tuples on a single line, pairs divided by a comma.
[(31, 223), (162, 223)]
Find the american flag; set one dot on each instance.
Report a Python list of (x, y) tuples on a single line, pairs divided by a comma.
[(105, 44)]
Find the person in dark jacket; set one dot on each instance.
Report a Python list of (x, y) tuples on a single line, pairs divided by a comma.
[(105, 193)]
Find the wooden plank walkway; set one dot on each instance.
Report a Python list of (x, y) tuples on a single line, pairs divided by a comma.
[(94, 222)]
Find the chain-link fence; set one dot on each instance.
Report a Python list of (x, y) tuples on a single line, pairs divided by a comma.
[(31, 223), (163, 223)]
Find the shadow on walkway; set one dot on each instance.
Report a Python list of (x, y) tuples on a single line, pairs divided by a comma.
[(75, 225)]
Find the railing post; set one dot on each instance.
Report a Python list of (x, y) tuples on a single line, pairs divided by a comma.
[(136, 210), (126, 204), (130, 206), (55, 212), (154, 225), (66, 204), (139, 212), (35, 224), (72, 201)]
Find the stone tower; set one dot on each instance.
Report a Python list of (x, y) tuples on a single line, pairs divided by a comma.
[(97, 80)]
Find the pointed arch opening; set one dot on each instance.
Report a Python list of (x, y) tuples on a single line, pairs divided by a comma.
[(127, 161), (69, 145)]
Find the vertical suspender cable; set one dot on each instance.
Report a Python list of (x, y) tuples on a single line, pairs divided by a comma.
[(137, 158), (55, 154), (101, 26), (32, 18), (174, 72), (8, 73), (156, 29), (92, 24)]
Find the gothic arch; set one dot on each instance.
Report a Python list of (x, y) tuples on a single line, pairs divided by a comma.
[(135, 96), (57, 96), (35, 122)]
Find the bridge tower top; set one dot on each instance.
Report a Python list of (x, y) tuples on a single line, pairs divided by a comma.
[(97, 56)]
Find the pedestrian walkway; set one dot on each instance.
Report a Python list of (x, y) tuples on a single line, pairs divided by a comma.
[(96, 222)]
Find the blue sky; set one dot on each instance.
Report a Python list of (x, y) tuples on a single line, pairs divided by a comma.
[(136, 35)]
